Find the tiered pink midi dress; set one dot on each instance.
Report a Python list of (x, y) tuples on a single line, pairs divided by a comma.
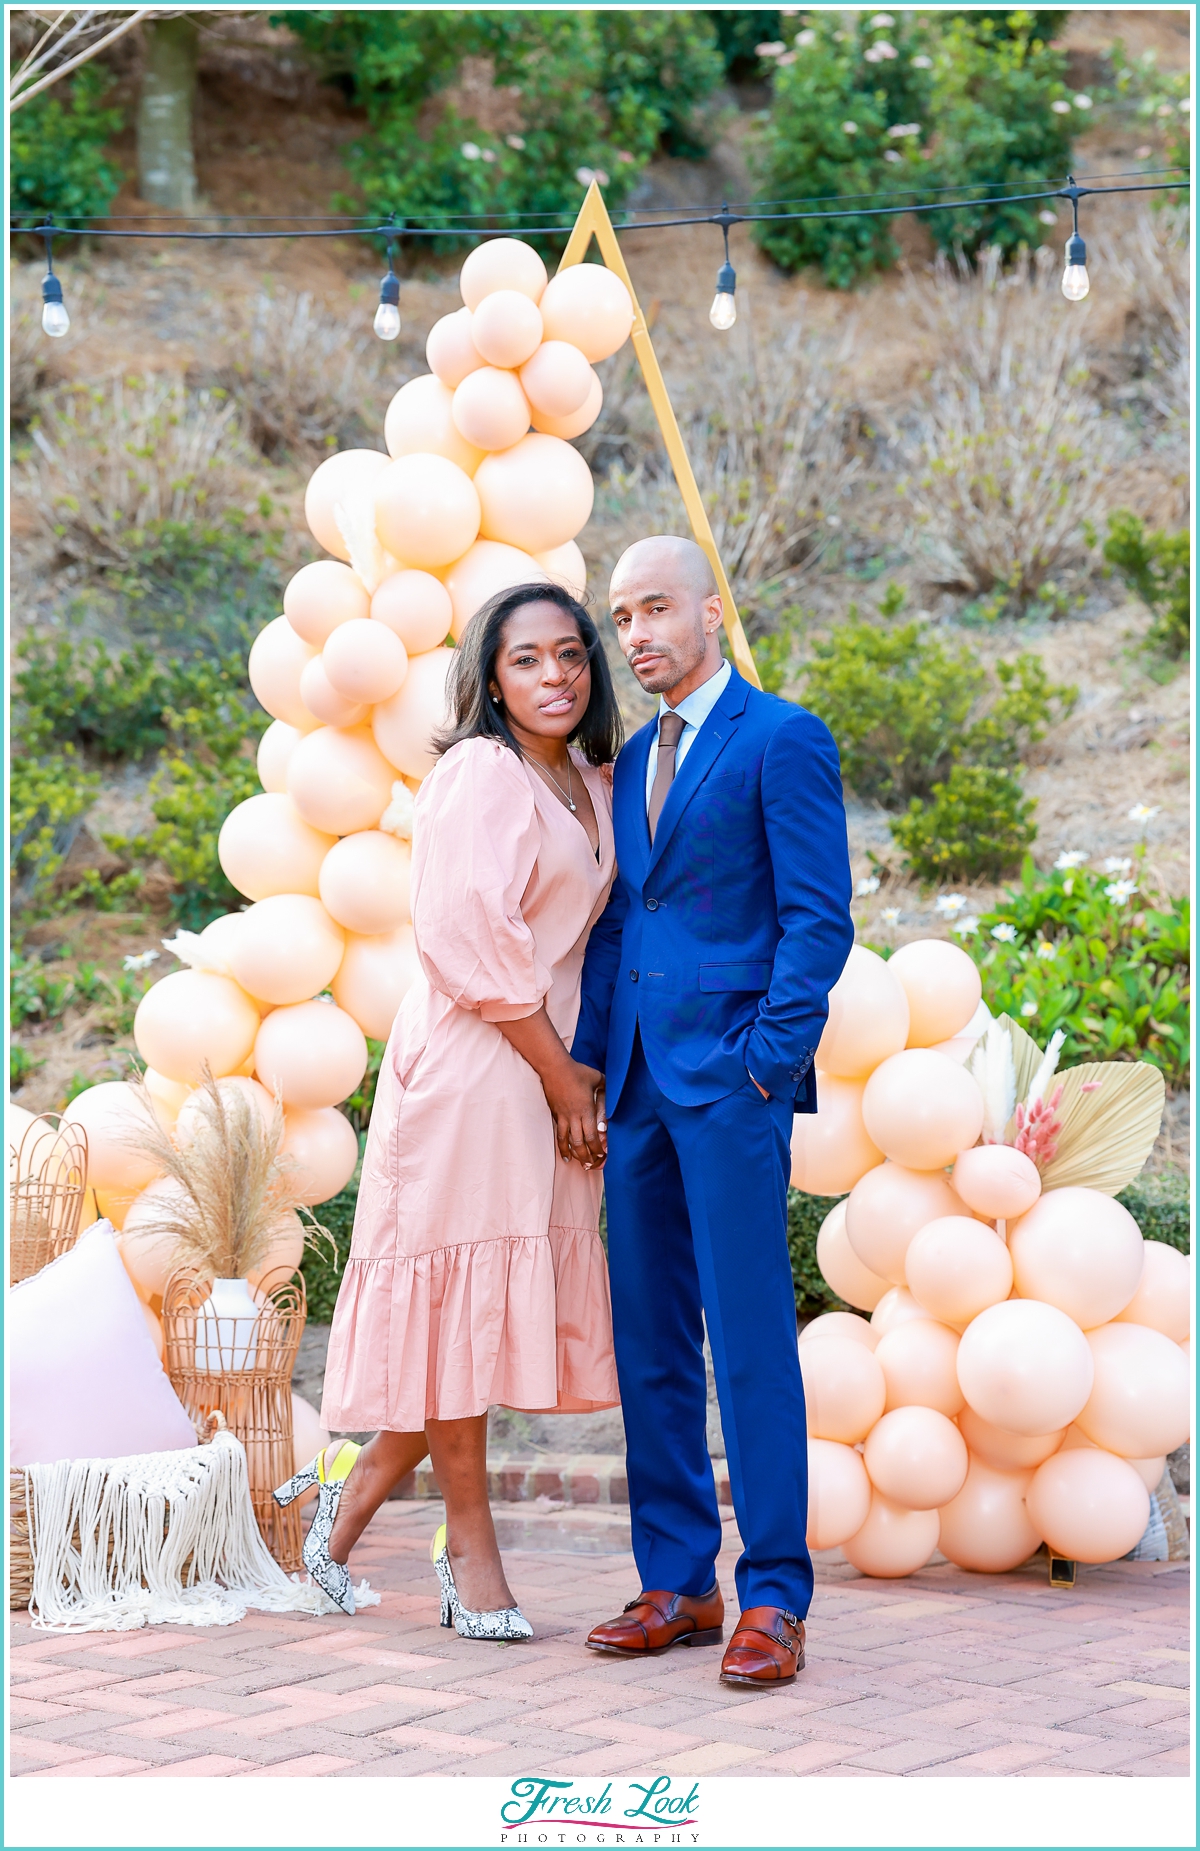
[(476, 1276)]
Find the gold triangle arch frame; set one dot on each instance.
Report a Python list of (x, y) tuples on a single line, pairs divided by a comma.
[(593, 221)]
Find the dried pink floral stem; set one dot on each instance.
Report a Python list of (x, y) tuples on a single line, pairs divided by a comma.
[(1038, 1128)]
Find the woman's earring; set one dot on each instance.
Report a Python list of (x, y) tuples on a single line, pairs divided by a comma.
[(495, 700)]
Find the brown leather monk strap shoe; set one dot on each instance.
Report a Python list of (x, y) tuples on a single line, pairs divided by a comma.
[(657, 1620), (767, 1649)]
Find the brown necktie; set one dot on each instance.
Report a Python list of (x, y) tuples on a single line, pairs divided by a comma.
[(670, 728)]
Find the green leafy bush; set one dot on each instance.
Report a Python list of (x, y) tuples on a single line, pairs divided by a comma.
[(975, 826), (1161, 1205), (1159, 99), (1100, 955), (805, 1215), (57, 149), (323, 1264), (740, 30), (1158, 567), (48, 792)]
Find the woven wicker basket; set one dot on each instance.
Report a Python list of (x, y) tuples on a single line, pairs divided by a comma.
[(45, 1202)]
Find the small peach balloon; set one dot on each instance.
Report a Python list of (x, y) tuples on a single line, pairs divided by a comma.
[(1079, 1250), (365, 882), (1005, 1451), (507, 329), (490, 409), (1025, 1366), (943, 988), (987, 1527), (320, 597), (321, 1146), (277, 660), (566, 566), (916, 1457), (840, 1266), (154, 1331), (1150, 1471), (426, 509), (265, 847), (110, 1205), (501, 263), (888, 1207), (556, 379), (839, 1493), (486, 569), (1088, 1505), (375, 976), (217, 941), (895, 1308), (288, 949), (918, 1361), (416, 607), (419, 419), (830, 1147), (284, 1254), (323, 700), (339, 780), (921, 1109), (192, 1020), (344, 480), (839, 1324), (1140, 1402), (275, 748), (590, 307), (844, 1390), (167, 1096), (312, 1054), (365, 661), (113, 1116), (195, 1114), (996, 1180), (149, 1242), (575, 423), (1163, 1300), (536, 495), (450, 351), (868, 1017), (404, 726), (894, 1541), (956, 1268)]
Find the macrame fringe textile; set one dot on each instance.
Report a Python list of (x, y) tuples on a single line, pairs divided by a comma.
[(159, 1538)]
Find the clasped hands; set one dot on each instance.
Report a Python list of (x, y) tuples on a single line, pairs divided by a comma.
[(575, 1095)]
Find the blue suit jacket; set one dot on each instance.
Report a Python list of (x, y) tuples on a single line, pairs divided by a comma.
[(723, 938)]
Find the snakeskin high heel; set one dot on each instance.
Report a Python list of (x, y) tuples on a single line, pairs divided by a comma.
[(331, 1576), (505, 1626)]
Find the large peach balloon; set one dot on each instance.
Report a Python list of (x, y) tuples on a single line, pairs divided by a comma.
[(288, 949), (115, 1120), (168, 1097), (507, 329), (419, 420), (192, 1020), (502, 263), (918, 1360), (868, 1017), (943, 987), (265, 847), (921, 1108), (956, 1268), (278, 658), (996, 1180), (556, 379), (1140, 1402), (916, 1457), (590, 307), (844, 1390), (887, 1207), (1026, 1366), (1005, 1451), (1079, 1250), (487, 568), (320, 597), (417, 607), (840, 1266), (839, 1324), (339, 780), (217, 941), (275, 748), (149, 1249), (1163, 1300), (323, 700), (195, 1114), (350, 477), (896, 1307), (575, 423), (365, 661), (894, 1541), (365, 882), (839, 1493), (490, 409), (987, 1527), (284, 1252), (536, 495), (321, 1147), (830, 1147), (405, 725), (374, 978), (312, 1054), (567, 567), (450, 351), (1088, 1505), (426, 509)]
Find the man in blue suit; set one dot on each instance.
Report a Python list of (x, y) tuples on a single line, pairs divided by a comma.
[(705, 990)]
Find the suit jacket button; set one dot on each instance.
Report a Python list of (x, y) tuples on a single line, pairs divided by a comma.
[(633, 976), (651, 906)]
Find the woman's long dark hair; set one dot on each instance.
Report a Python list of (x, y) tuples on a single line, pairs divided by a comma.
[(473, 714)]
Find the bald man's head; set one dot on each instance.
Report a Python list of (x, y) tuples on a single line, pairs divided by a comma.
[(667, 610)]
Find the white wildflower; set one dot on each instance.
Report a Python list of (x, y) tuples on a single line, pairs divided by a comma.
[(880, 51), (868, 884), (1121, 891), (518, 142), (880, 21), (1046, 950), (1117, 864), (140, 960), (771, 48), (965, 928), (849, 128), (470, 151), (1070, 858), (806, 38), (1028, 1009), (1083, 102), (1005, 932), (922, 63), (1061, 108), (789, 57), (1142, 812), (488, 155), (889, 154), (949, 904), (585, 175), (890, 915), (900, 129), (1048, 218)]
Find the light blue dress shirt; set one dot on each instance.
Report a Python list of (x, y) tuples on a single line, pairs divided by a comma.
[(693, 710)]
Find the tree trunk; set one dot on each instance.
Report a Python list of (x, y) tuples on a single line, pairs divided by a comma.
[(166, 167)]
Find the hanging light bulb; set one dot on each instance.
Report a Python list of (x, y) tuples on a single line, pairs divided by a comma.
[(723, 312), (55, 320), (387, 315), (1076, 283)]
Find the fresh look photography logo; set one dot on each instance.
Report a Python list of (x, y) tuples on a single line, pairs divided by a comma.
[(658, 1811)]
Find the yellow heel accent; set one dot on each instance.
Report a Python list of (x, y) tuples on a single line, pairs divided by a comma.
[(343, 1464), (438, 1544)]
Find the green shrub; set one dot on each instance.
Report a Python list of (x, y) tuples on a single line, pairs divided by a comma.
[(1158, 567), (1158, 99), (48, 792), (1162, 1207), (739, 31), (975, 826), (805, 1215), (57, 147), (323, 1265)]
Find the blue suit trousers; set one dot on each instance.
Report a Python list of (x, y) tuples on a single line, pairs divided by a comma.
[(697, 1234)]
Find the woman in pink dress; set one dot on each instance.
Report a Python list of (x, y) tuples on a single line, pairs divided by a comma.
[(476, 1275)]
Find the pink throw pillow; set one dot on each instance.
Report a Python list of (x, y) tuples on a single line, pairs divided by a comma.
[(85, 1381)]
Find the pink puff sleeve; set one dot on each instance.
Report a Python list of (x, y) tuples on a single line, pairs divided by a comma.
[(475, 844)]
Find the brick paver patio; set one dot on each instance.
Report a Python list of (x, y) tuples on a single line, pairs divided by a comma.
[(945, 1673)]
